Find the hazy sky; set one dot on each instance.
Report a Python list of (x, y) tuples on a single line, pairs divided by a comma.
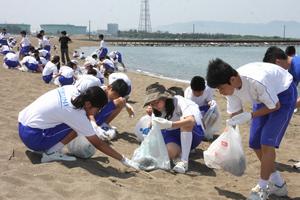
[(126, 12)]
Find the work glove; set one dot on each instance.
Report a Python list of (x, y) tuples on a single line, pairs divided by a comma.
[(239, 119), (163, 123), (129, 163)]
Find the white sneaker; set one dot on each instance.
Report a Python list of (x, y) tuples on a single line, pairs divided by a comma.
[(55, 156), (181, 167), (109, 131), (258, 193), (280, 191)]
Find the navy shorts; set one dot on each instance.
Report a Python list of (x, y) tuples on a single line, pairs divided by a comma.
[(48, 78), (174, 136), (31, 66), (65, 81), (269, 129), (11, 64), (42, 139), (105, 113)]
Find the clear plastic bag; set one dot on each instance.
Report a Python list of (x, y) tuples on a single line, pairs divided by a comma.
[(212, 121), (152, 153), (81, 147), (226, 152)]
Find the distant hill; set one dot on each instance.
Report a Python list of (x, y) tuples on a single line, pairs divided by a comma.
[(274, 28)]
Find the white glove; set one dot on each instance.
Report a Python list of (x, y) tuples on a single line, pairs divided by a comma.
[(239, 119), (212, 104), (129, 163), (163, 123)]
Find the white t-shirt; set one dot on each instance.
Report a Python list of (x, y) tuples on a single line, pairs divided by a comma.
[(50, 68), (109, 63), (202, 100), (4, 48), (66, 71), (117, 75), (84, 82), (261, 83), (184, 108), (43, 61), (11, 56), (102, 44), (43, 52), (25, 42), (29, 59), (54, 108)]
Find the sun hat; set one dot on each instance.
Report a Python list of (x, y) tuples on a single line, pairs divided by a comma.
[(156, 91)]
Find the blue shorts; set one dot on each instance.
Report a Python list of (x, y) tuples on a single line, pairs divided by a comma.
[(3, 42), (24, 50), (269, 129), (11, 64), (42, 139), (174, 136), (103, 53), (47, 47), (105, 113), (47, 78), (47, 57), (65, 81), (119, 55), (108, 68), (31, 66)]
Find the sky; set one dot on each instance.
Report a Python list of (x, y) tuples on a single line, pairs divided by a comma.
[(162, 12)]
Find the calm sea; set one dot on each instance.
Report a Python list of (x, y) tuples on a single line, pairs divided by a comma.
[(182, 62)]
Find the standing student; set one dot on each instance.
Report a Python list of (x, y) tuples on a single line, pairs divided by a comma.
[(4, 37), (271, 90), (50, 71), (180, 121), (45, 41), (55, 118), (24, 45), (64, 48), (102, 48)]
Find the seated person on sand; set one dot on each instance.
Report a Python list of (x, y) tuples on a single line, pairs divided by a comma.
[(66, 74), (50, 71), (11, 61), (4, 49), (180, 121), (116, 57), (82, 56), (44, 53), (52, 121), (90, 64), (107, 67), (31, 63), (75, 54)]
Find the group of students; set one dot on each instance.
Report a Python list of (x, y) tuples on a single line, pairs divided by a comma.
[(81, 108)]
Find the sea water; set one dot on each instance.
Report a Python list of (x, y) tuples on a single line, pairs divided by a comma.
[(182, 63)]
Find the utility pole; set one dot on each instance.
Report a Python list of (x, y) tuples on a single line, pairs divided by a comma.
[(193, 28), (89, 29), (284, 31)]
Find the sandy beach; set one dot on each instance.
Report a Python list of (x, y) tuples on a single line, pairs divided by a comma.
[(22, 176)]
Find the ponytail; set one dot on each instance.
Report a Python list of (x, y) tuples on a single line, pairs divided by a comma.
[(94, 94)]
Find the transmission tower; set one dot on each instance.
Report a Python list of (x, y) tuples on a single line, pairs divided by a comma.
[(145, 22)]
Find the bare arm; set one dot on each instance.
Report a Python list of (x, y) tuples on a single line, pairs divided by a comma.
[(188, 121)]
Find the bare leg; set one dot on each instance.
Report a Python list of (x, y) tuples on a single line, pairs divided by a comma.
[(267, 161)]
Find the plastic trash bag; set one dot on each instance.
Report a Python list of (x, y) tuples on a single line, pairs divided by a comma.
[(81, 147), (152, 153), (212, 121), (226, 152), (142, 127)]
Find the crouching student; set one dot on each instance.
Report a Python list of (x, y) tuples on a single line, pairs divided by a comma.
[(31, 63), (11, 61), (47, 127), (180, 121), (67, 74), (50, 71), (271, 90)]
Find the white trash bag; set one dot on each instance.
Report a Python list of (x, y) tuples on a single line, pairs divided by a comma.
[(142, 127), (226, 152), (81, 147), (152, 153), (212, 121)]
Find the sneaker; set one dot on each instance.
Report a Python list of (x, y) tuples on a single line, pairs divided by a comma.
[(258, 193), (55, 156), (297, 165), (181, 167), (280, 191)]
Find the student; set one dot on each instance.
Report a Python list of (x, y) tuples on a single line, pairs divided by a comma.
[(102, 48), (290, 51), (45, 41), (4, 37), (11, 61), (50, 71), (199, 93), (66, 74), (180, 121), (108, 67), (271, 90), (82, 56), (116, 57), (75, 54), (4, 49), (31, 63), (24, 45), (64, 49), (47, 127), (45, 54)]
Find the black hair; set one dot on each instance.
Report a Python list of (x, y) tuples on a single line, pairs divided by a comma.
[(176, 90), (64, 32), (71, 64), (31, 49), (39, 35), (273, 53), (94, 56), (120, 86), (169, 107), (23, 32), (94, 94), (197, 83), (290, 51), (92, 71), (42, 32), (219, 72), (36, 55), (55, 59), (101, 36)]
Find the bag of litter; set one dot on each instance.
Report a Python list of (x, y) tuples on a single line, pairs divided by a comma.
[(226, 152), (81, 147), (212, 121), (152, 153)]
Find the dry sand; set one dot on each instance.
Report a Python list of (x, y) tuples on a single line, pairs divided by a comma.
[(22, 176)]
